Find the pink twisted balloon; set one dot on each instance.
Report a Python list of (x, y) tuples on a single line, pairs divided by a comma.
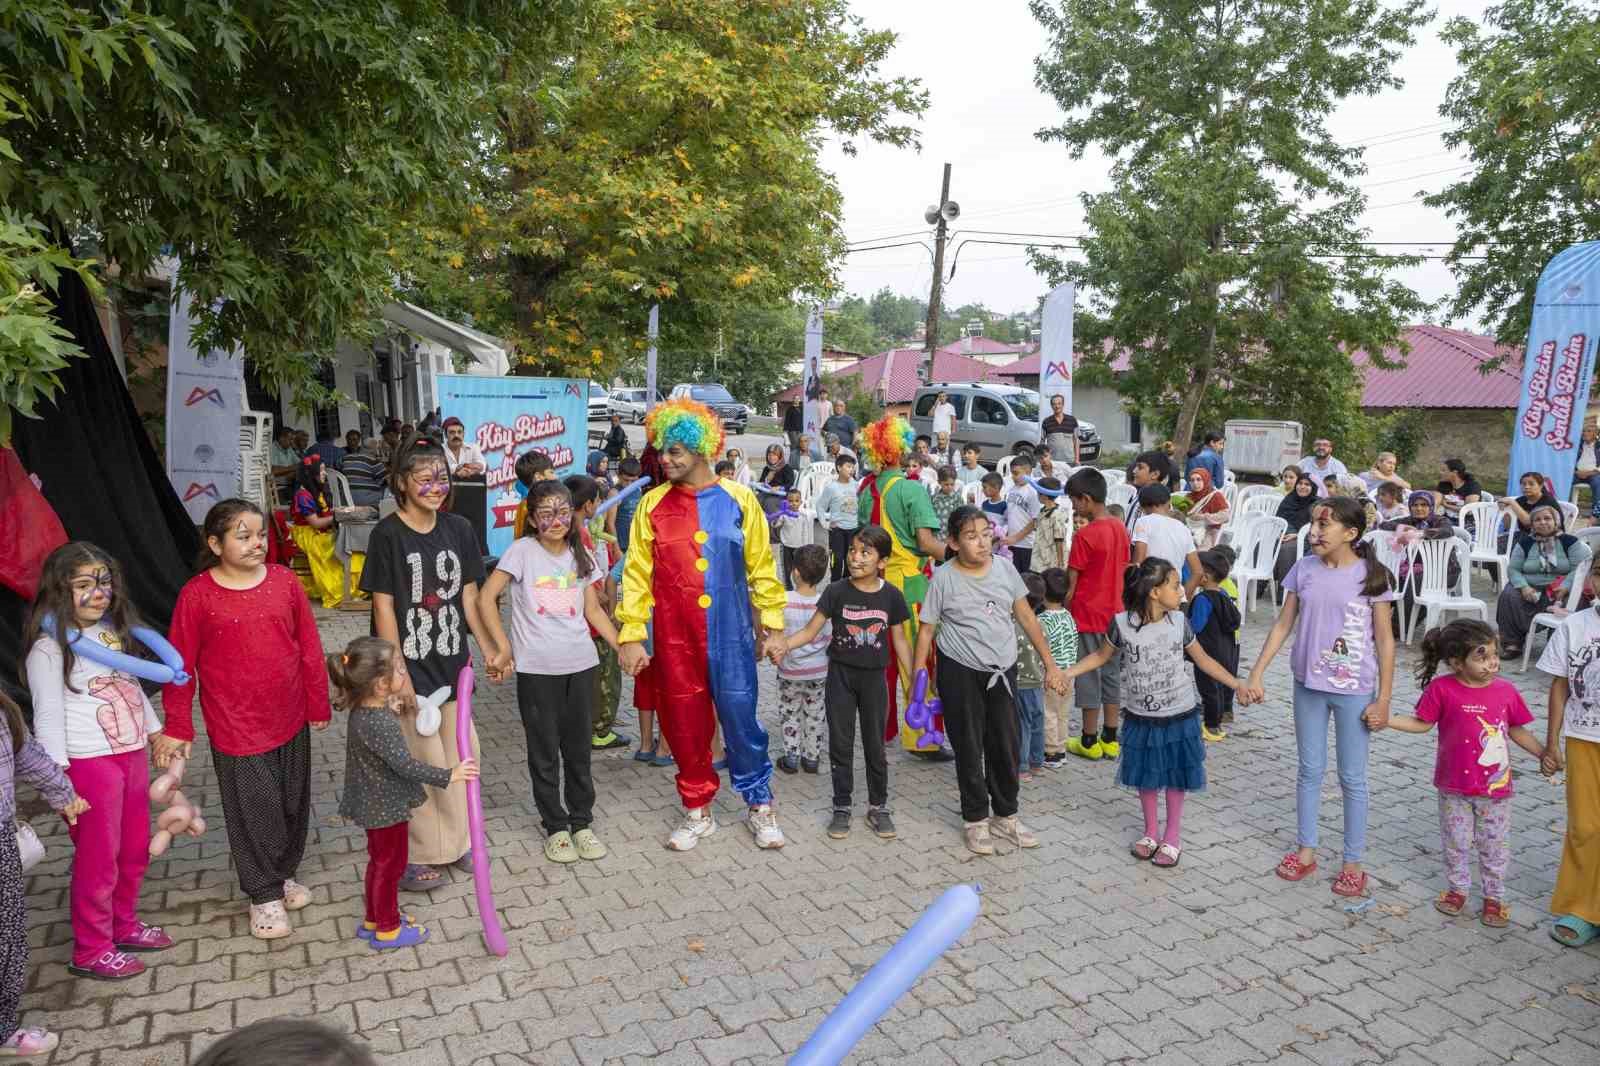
[(493, 935)]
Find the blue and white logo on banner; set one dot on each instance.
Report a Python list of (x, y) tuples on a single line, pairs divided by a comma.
[(1558, 368), (508, 416)]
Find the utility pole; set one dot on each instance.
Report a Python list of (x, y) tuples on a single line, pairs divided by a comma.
[(942, 215)]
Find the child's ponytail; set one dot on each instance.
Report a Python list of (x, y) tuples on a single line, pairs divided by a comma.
[(1457, 640), (355, 673)]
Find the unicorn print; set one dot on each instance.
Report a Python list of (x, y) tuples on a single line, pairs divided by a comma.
[(1496, 754)]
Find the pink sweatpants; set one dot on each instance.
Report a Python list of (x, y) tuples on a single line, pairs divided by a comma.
[(112, 842)]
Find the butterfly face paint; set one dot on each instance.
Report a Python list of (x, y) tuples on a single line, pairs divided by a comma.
[(93, 589), (552, 520)]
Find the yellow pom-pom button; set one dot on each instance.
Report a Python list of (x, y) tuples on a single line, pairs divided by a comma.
[(702, 565), (700, 536), (704, 601)]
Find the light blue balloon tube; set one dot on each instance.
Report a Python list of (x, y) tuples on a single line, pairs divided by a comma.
[(939, 927)]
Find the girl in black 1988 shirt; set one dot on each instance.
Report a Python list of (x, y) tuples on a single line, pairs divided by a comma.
[(423, 569)]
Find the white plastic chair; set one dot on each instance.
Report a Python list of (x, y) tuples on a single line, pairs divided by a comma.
[(1122, 494), (972, 493), (1258, 556), (1300, 541), (1003, 467), (1434, 593), (1114, 477), (1569, 514), (1488, 522), (339, 488), (1549, 619), (1228, 477)]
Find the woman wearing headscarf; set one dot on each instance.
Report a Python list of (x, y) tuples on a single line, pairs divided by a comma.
[(1543, 562), (1294, 509), (1208, 508), (1422, 522)]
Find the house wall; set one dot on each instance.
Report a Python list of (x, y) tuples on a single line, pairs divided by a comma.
[(1479, 437), (1103, 407)]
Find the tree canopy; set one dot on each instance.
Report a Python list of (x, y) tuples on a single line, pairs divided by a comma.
[(1227, 256), (1525, 107)]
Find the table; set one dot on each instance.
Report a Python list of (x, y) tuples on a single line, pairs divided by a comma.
[(352, 537)]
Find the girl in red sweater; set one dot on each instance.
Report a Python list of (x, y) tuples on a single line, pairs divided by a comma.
[(247, 632)]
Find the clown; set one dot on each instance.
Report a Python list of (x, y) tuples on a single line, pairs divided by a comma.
[(698, 555), (903, 507)]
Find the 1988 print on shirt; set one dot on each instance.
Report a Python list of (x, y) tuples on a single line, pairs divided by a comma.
[(426, 574)]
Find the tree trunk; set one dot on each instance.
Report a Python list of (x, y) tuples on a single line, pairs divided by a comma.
[(1195, 393)]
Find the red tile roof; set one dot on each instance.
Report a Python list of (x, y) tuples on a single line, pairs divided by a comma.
[(891, 376), (1443, 369), (984, 346)]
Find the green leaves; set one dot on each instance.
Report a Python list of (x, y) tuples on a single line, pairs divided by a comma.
[(32, 346), (1527, 108)]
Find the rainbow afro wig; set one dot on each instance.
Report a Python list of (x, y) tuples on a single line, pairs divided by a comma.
[(886, 442), (684, 422)]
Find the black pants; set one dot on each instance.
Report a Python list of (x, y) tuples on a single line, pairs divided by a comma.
[(1215, 697), (853, 693), (555, 719), (981, 722), (839, 544), (266, 806), (1022, 559), (788, 566)]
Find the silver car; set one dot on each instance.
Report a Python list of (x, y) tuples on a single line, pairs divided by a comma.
[(630, 405), (1000, 419)]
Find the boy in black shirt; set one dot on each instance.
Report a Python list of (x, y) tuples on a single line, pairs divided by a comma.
[(867, 614)]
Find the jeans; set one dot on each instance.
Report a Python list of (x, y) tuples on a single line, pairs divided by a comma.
[(1593, 481), (1030, 716), (1312, 710)]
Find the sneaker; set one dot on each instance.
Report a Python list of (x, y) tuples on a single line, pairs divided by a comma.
[(810, 766), (111, 966), (936, 755), (839, 825), (26, 1043), (880, 822), (588, 845), (696, 824), (269, 921), (1213, 734), (1090, 751), (1011, 829), (144, 938), (1055, 761), (763, 825), (789, 764), (976, 836), (558, 848), (1110, 748), (295, 895), (610, 740)]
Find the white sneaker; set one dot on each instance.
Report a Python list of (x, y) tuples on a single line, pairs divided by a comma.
[(696, 824), (763, 825)]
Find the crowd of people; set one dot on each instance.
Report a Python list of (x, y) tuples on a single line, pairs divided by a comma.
[(966, 630)]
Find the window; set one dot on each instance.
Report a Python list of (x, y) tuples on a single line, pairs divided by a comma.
[(925, 405), (987, 411), (364, 399), (711, 394), (1135, 431), (1025, 404)]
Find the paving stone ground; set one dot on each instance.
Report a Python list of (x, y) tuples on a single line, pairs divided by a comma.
[(732, 955)]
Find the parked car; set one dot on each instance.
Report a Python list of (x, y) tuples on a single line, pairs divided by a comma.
[(599, 402), (734, 415), (1000, 419), (630, 404)]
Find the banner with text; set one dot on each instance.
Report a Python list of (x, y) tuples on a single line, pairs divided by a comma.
[(511, 415), (1557, 368), (204, 393), (1055, 350)]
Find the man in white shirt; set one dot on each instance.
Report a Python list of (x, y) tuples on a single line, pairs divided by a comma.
[(944, 416), (1159, 534), (463, 459), (1588, 468), (1320, 463)]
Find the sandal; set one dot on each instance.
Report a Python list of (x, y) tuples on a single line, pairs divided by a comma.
[(269, 921), (295, 895), (415, 878), (1166, 855), (1350, 884), (25, 1043), (1292, 869), (1143, 849), (366, 930), (1451, 903), (405, 937), (1583, 932), (1495, 914)]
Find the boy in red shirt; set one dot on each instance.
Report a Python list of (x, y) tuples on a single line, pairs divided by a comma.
[(1094, 595)]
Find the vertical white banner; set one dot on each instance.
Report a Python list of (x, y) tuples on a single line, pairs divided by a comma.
[(1055, 350), (811, 379), (650, 358), (204, 391)]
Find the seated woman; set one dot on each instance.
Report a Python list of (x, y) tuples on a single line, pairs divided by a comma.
[(1535, 493), (311, 518), (1384, 470), (1422, 522), (1457, 488), (1542, 564), (1392, 502), (1208, 508), (1295, 509), (1286, 480)]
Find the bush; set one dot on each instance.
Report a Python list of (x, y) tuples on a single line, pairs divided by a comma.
[(1403, 433)]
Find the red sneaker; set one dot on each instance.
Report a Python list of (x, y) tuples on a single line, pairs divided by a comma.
[(112, 966), (145, 938)]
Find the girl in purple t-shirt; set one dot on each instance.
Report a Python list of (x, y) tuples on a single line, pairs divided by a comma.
[(1477, 712), (1343, 665)]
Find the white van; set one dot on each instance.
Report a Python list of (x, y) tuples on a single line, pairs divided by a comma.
[(1262, 446)]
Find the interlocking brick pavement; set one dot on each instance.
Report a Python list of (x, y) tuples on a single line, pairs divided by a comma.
[(730, 955)]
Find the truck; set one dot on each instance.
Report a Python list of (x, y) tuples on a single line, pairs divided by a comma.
[(1262, 446)]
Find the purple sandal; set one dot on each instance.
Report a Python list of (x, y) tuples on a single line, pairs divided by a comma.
[(408, 936), (413, 881)]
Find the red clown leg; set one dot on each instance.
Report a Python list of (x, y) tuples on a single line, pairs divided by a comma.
[(687, 723)]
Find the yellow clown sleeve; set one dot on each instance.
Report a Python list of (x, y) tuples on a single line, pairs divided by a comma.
[(760, 572), (638, 601)]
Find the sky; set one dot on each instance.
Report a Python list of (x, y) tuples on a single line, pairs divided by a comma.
[(977, 63)]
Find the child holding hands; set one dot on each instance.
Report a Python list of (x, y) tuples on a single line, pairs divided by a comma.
[(1476, 712)]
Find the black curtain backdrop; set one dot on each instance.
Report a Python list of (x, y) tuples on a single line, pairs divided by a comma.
[(103, 477)]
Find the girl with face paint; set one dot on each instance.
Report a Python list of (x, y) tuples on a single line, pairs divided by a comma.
[(247, 632), (95, 721)]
